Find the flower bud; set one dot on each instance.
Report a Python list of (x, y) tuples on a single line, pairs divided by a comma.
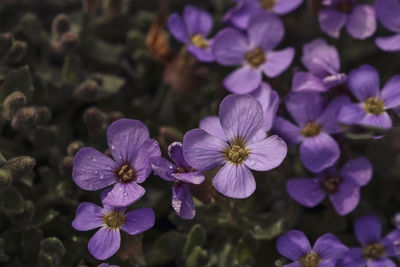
[(17, 52), (44, 114), (60, 25), (6, 41), (68, 42), (95, 120), (87, 91), (26, 117), (74, 147), (12, 103), (20, 166), (66, 165), (115, 115), (5, 178)]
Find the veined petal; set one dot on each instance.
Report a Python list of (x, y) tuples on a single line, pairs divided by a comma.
[(212, 125), (175, 152), (138, 221), (329, 247), (104, 243), (195, 177), (288, 131), (269, 100), (278, 61), (162, 168), (243, 80), (123, 195), (306, 191), (88, 216), (293, 245), (359, 170)]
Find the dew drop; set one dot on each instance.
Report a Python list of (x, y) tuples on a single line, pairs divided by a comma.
[(96, 172), (125, 194), (101, 176)]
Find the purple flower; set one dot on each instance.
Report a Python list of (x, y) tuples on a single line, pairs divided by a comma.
[(387, 12), (240, 15), (107, 239), (326, 252), (359, 20), (131, 147), (342, 187), (192, 30), (107, 265), (374, 251), (323, 63), (316, 121), (253, 52), (183, 175), (237, 143), (269, 100), (364, 83)]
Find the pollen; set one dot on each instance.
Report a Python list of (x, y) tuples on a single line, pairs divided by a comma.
[(126, 174), (267, 4), (331, 184), (255, 57), (374, 106), (312, 259), (199, 41), (311, 129), (237, 152), (373, 251), (114, 220)]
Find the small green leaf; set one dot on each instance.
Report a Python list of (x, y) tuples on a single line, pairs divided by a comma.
[(196, 237), (197, 258), (244, 253)]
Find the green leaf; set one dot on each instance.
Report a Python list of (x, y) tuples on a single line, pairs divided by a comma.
[(18, 80), (165, 249), (197, 258), (244, 253), (196, 237), (110, 85), (71, 73), (51, 252)]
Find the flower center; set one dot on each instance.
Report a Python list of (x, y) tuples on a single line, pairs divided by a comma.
[(255, 57), (331, 184), (374, 106), (199, 41), (311, 129), (114, 219), (237, 152), (267, 4), (373, 251), (345, 6), (312, 259), (126, 174)]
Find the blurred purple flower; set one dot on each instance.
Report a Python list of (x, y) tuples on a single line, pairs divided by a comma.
[(240, 15), (326, 252), (364, 83), (252, 52), (387, 12), (107, 265), (323, 64), (107, 239), (131, 147), (192, 30), (375, 251), (236, 142), (342, 187), (359, 20), (316, 121), (183, 175)]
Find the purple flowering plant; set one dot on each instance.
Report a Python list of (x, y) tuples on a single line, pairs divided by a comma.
[(387, 12)]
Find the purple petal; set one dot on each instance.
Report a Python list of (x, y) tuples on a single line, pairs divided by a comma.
[(362, 22), (240, 116), (288, 131), (138, 221), (304, 81), (88, 216), (278, 61), (328, 119), (332, 21), (300, 107), (334, 80), (163, 168), (319, 152), (329, 247), (125, 138), (353, 258), (359, 170), (383, 262), (265, 30), (269, 100), (123, 195), (320, 58), (203, 55), (243, 80), (391, 93), (189, 177), (368, 230), (177, 28), (197, 21), (202, 150), (306, 191), (389, 44), (346, 199), (229, 47), (293, 245), (235, 181), (364, 82), (104, 243), (351, 114), (293, 264), (175, 152), (211, 125), (283, 7), (141, 163), (380, 121), (93, 170), (239, 15), (182, 201), (266, 154), (387, 11)]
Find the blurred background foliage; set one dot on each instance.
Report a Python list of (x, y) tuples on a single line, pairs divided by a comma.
[(69, 68)]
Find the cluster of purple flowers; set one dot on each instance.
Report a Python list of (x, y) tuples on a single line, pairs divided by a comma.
[(238, 141)]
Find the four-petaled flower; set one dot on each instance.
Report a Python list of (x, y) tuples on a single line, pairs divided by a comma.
[(327, 250), (239, 144), (183, 175), (252, 52), (131, 147), (192, 30), (343, 187), (387, 12)]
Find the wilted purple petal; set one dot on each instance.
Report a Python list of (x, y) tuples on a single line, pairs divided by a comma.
[(104, 243), (182, 201), (278, 61), (243, 80), (306, 191), (88, 216), (362, 22), (332, 21), (293, 245), (175, 152), (138, 221)]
